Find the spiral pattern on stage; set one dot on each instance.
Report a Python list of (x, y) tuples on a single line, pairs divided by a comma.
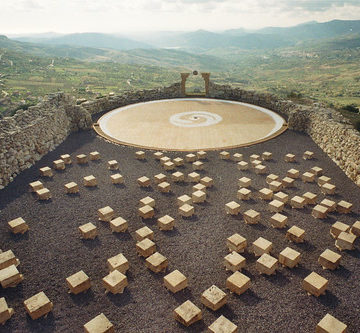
[(195, 119)]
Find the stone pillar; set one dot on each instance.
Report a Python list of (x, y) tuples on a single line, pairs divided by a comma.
[(184, 76), (206, 77)]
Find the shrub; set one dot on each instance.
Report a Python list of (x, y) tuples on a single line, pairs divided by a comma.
[(351, 108), (357, 125)]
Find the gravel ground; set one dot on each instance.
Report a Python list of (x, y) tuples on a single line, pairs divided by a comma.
[(52, 249)]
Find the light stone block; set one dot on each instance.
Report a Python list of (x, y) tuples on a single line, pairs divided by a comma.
[(157, 262), (272, 177), (184, 199), (106, 214), (266, 194), (288, 182), (10, 277), (78, 282), (310, 198), (7, 259), (289, 257), (90, 181), (94, 156), (236, 243), (198, 165), (140, 155), (166, 223), (164, 187), (186, 210), (345, 241), (43, 194), (244, 194), (308, 155), (254, 157), (319, 212), (293, 173), (295, 234), (144, 181), (88, 231), (5, 312), (251, 216), (34, 186), (276, 206), (81, 159), (193, 177), (190, 157), (242, 165), (275, 186), (281, 196), (178, 161), (214, 298), (331, 205), (159, 178), (146, 212), (317, 171), (238, 283), (164, 159), (289, 158), (330, 324), (222, 325), (261, 169), (261, 246), (175, 281), (329, 259), (297, 202), (224, 155), (237, 157), (158, 155), (255, 163), (199, 187), (234, 261), (115, 282), (278, 221), (315, 284), (232, 208), (169, 166), (207, 181), (46, 172), (59, 165), (198, 196), (177, 177), (344, 207), (266, 264), (328, 189), (355, 228), (38, 305), (66, 158), (18, 226), (187, 313), (145, 248), (119, 263), (113, 165), (308, 177), (71, 188), (323, 180), (337, 228), (244, 182), (117, 178), (266, 156), (144, 232), (201, 155), (99, 324)]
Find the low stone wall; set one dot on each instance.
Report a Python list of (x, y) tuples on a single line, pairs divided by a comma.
[(333, 133), (30, 134)]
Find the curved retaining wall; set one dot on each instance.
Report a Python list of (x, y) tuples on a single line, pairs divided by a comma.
[(31, 134)]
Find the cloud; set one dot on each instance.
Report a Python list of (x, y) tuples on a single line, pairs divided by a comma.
[(316, 5)]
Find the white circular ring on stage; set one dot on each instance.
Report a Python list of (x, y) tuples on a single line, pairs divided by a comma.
[(190, 124), (191, 119)]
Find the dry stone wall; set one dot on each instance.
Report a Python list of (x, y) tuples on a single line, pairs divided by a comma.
[(31, 134)]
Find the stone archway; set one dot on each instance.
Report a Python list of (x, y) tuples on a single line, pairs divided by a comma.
[(185, 76)]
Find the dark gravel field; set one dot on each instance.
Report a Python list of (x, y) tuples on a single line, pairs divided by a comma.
[(52, 249)]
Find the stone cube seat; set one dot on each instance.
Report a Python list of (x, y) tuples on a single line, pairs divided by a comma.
[(164, 187), (178, 177), (355, 228), (81, 159), (43, 194), (308, 177), (157, 262), (66, 158), (115, 282), (251, 216), (222, 325), (329, 259), (266, 156), (71, 188), (315, 284), (144, 181), (328, 189), (344, 207), (266, 264), (199, 187), (94, 156), (119, 263), (242, 165), (175, 281), (331, 205), (319, 212), (254, 157), (272, 177), (345, 241), (178, 161), (113, 165), (244, 182), (275, 186), (289, 158), (10, 277), (337, 228), (144, 232), (169, 166), (276, 206), (261, 169), (293, 173), (288, 182), (238, 283), (190, 157), (232, 208), (88, 231), (198, 165), (158, 155), (224, 155), (234, 261), (278, 221), (261, 246), (310, 198), (236, 243), (46, 172), (237, 157), (99, 324), (282, 197), (323, 180), (297, 202), (78, 282), (244, 194), (201, 155), (164, 159), (186, 210), (37, 185), (7, 259), (193, 177), (187, 313), (214, 298), (308, 155), (5, 312), (166, 223), (295, 234), (90, 181), (289, 257), (18, 226), (266, 194), (198, 196), (117, 178), (145, 248), (317, 171), (106, 214), (140, 155), (58, 165), (159, 178), (147, 201), (184, 199), (146, 212), (330, 324), (207, 181), (38, 305)]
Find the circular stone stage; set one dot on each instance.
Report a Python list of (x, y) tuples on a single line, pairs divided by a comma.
[(188, 124)]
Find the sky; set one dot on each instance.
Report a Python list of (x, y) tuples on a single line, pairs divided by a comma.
[(124, 16)]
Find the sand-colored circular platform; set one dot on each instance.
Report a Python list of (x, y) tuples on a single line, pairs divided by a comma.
[(190, 124)]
